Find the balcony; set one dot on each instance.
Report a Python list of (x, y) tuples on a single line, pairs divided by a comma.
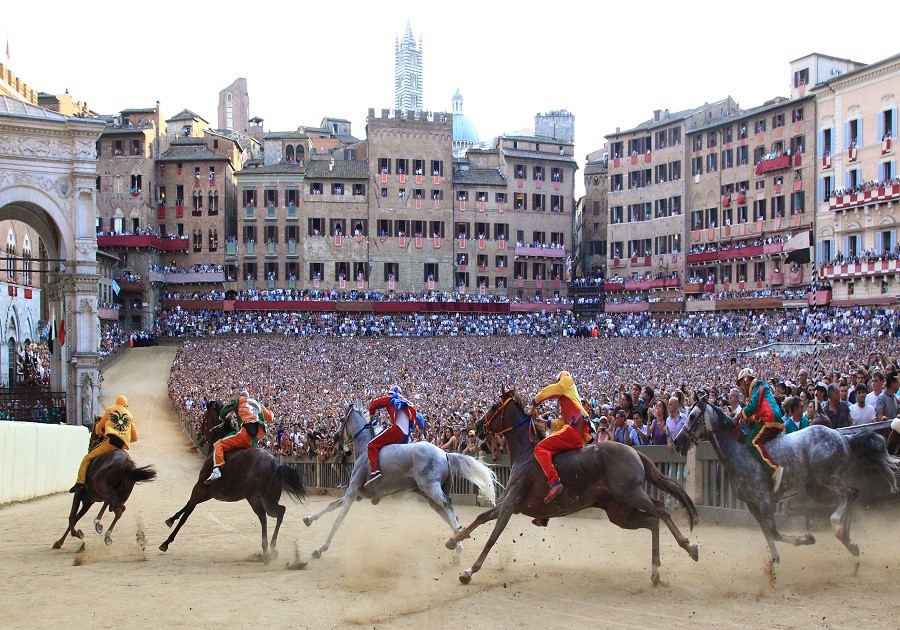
[(249, 213), (627, 307), (292, 248), (270, 213), (780, 163), (231, 249), (541, 252), (131, 286), (292, 212), (109, 314), (880, 194), (139, 241), (250, 246), (214, 277), (859, 270)]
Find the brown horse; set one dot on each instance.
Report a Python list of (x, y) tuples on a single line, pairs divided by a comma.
[(608, 475), (110, 478), (253, 474)]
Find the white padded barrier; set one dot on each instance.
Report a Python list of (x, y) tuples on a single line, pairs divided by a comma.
[(39, 459)]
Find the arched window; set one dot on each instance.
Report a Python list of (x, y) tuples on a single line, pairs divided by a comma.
[(10, 254), (289, 154)]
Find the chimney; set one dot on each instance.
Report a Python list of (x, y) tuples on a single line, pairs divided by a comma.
[(656, 113)]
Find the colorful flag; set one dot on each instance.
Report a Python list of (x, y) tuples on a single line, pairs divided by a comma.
[(62, 333)]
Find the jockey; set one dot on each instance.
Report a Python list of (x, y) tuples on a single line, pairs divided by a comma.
[(763, 417), (401, 412), (574, 433), (117, 425), (253, 415)]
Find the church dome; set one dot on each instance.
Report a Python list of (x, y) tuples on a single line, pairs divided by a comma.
[(463, 130)]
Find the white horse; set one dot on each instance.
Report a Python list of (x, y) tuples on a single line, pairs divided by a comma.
[(419, 466)]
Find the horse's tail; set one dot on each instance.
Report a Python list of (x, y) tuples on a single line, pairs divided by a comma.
[(670, 486), (868, 453), (291, 481), (139, 474), (476, 472)]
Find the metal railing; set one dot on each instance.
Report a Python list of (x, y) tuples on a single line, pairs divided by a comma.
[(33, 404)]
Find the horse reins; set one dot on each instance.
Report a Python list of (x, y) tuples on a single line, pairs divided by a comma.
[(489, 420)]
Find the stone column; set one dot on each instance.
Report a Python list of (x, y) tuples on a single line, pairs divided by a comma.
[(693, 476)]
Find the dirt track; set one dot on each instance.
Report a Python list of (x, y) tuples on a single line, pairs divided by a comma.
[(388, 566)]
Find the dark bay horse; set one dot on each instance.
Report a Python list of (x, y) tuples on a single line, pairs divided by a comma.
[(110, 479), (816, 454), (608, 475), (418, 467), (253, 474)]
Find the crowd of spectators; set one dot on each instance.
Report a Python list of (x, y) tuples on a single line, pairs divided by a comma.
[(173, 268), (864, 187), (112, 337), (631, 369)]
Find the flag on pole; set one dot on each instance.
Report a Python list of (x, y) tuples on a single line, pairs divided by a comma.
[(62, 333), (51, 335), (115, 287)]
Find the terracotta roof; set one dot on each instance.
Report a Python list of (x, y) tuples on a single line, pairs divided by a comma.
[(539, 155), (280, 168), (191, 153), (186, 114), (343, 169), (479, 176)]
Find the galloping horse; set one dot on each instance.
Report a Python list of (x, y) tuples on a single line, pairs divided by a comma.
[(110, 478), (814, 454), (420, 466), (253, 474), (608, 475)]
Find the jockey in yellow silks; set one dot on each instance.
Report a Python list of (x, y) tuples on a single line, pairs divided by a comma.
[(117, 425), (254, 416), (575, 432)]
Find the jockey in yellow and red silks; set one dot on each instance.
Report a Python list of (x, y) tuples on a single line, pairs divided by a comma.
[(254, 416), (117, 425), (575, 432)]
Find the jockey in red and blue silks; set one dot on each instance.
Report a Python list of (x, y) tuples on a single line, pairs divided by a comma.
[(401, 412), (764, 419)]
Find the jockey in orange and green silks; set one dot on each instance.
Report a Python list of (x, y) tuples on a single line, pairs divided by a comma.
[(575, 432), (764, 419), (254, 416)]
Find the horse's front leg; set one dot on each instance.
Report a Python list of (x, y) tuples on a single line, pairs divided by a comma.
[(502, 519), (348, 499), (484, 517), (74, 516), (118, 510), (309, 520)]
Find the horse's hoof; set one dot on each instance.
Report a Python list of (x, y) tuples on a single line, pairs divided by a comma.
[(695, 552), (266, 557), (98, 527), (376, 500), (316, 554), (854, 550), (808, 539), (170, 522), (164, 547), (273, 553), (466, 576), (78, 534), (775, 560), (854, 570), (57, 545), (107, 539), (455, 560), (450, 544), (307, 521)]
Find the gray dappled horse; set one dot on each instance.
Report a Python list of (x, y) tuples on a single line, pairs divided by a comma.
[(814, 454), (419, 466)]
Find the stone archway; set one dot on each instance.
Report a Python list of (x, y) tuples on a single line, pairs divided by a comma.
[(48, 171)]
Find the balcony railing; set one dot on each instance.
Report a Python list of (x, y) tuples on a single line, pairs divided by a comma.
[(140, 241), (876, 195)]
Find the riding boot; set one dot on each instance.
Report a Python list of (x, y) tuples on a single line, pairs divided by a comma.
[(776, 478)]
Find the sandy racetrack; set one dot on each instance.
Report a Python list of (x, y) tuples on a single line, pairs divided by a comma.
[(388, 565)]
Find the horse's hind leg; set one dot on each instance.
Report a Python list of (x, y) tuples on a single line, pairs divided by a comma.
[(627, 517), (309, 520), (840, 518), (98, 526), (640, 500), (118, 510), (440, 502), (276, 511)]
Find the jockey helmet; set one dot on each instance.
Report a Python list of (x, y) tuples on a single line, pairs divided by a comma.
[(122, 401), (745, 373), (244, 393), (562, 375), (395, 389)]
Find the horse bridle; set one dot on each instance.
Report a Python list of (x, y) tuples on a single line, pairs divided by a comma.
[(488, 419), (688, 426), (368, 425)]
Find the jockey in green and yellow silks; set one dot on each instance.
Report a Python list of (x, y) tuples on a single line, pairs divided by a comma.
[(117, 425), (575, 432), (254, 416), (764, 419)]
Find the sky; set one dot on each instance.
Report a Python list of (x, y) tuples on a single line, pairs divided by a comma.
[(610, 65)]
